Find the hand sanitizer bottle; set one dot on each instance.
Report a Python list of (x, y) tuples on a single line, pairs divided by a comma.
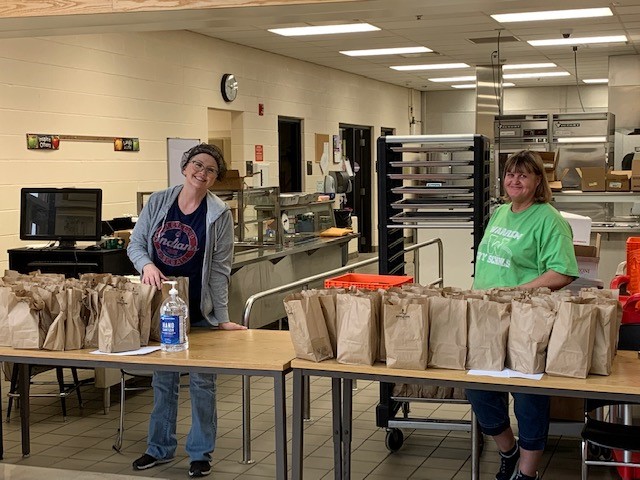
[(173, 322)]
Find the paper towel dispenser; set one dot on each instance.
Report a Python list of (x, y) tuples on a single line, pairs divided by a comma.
[(337, 182)]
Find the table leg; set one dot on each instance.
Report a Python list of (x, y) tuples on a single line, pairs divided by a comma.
[(281, 426), (246, 420), (336, 408), (297, 440), (347, 415), (475, 448), (23, 389)]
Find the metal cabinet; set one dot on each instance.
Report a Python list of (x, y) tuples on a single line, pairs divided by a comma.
[(430, 181)]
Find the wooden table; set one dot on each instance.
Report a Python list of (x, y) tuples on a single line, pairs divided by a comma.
[(242, 352), (623, 385)]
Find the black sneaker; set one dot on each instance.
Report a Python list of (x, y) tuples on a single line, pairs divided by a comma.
[(199, 468), (509, 465), (522, 476), (147, 461)]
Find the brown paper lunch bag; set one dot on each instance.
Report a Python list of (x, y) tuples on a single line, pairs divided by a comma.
[(572, 339), (5, 330), (357, 329), (25, 320), (118, 322), (406, 332), (529, 333), (488, 334), (327, 299), (307, 327), (447, 333)]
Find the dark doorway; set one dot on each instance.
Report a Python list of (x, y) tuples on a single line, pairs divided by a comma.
[(357, 142), (290, 154)]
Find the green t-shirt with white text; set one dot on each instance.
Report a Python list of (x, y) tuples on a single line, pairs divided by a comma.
[(519, 247)]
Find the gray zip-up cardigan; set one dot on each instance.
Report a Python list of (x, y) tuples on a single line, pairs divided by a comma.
[(218, 257)]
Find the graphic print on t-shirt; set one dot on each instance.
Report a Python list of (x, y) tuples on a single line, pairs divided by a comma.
[(498, 252), (175, 243)]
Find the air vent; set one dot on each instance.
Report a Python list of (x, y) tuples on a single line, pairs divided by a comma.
[(416, 55), (493, 40)]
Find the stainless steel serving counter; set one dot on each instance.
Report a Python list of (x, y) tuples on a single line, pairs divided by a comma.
[(256, 269)]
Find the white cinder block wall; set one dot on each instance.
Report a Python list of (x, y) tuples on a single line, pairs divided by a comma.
[(155, 86)]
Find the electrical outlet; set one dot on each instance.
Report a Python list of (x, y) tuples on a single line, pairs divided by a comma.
[(319, 186)]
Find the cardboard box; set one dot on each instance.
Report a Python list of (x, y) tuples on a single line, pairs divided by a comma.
[(556, 185), (581, 227), (567, 409), (635, 175), (593, 179), (231, 181), (550, 161), (618, 181), (588, 257), (123, 234)]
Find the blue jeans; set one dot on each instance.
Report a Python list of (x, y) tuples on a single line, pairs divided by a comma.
[(201, 441), (532, 412)]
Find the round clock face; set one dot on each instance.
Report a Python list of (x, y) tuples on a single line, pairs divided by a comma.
[(229, 87)]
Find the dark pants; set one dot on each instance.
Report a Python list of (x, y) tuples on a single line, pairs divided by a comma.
[(532, 412)]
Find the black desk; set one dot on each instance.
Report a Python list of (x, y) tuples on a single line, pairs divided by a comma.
[(70, 261)]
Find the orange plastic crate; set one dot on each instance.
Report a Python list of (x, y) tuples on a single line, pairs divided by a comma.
[(627, 473), (367, 281)]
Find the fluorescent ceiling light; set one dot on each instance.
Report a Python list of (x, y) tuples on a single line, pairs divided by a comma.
[(433, 66), (535, 75), (470, 78), (577, 40), (385, 51), (582, 139), (552, 15), (324, 29), (595, 80), (524, 66), (473, 85)]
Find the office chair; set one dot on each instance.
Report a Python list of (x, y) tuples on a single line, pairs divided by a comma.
[(140, 374), (599, 436), (65, 389)]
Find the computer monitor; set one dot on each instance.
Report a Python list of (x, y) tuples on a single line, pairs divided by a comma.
[(67, 215)]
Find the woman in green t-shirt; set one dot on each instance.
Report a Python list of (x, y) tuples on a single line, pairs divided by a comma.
[(526, 244)]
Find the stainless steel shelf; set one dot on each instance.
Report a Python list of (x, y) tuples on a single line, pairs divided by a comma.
[(577, 196)]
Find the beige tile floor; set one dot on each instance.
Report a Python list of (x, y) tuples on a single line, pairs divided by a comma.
[(84, 441)]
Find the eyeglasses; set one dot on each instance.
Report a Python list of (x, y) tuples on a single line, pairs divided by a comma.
[(199, 166), (518, 176)]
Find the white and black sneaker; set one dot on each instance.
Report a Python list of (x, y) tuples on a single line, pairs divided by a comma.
[(509, 464), (199, 468), (147, 461)]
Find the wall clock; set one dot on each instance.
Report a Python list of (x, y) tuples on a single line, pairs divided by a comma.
[(229, 87)]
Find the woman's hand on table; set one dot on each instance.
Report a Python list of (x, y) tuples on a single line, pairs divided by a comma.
[(231, 326), (151, 275)]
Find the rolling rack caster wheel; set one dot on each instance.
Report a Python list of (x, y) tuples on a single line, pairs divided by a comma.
[(394, 439)]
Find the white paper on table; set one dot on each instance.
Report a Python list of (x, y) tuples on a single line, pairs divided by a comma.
[(140, 351), (506, 373)]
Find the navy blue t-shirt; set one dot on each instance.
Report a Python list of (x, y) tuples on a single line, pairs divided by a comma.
[(178, 250)]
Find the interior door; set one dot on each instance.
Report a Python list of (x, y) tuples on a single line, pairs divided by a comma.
[(357, 141), (290, 154)]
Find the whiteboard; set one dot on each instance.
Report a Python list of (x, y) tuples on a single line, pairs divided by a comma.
[(175, 148)]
